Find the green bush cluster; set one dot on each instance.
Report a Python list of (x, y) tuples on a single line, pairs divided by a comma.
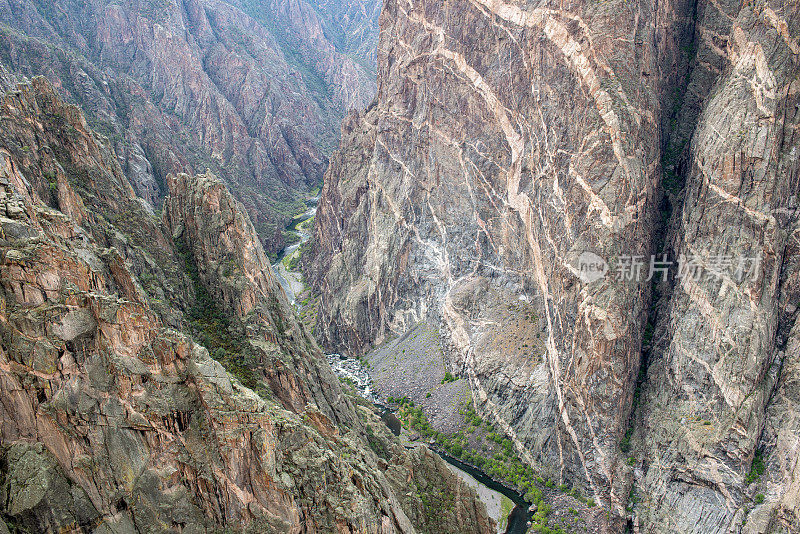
[(504, 465), (349, 381), (757, 468), (434, 505), (212, 329), (376, 444), (448, 377)]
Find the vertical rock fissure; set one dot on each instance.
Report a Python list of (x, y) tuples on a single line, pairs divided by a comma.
[(674, 148)]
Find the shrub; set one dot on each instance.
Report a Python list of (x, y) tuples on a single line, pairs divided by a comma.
[(376, 444), (625, 443), (757, 468), (448, 377)]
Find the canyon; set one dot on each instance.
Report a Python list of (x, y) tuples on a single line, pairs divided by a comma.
[(554, 244), (508, 142), (253, 91), (114, 419)]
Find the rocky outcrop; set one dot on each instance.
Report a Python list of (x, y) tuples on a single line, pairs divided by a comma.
[(510, 144), (111, 421), (70, 170), (255, 91), (233, 271), (200, 210)]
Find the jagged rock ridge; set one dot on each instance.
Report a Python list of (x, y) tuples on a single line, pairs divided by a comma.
[(112, 419), (252, 90)]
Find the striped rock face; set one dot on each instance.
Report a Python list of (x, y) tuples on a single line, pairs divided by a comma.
[(522, 169)]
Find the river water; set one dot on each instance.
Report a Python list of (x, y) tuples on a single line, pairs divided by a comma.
[(352, 370), (292, 281)]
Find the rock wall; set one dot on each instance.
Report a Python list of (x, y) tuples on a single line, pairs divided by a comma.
[(721, 357), (111, 421), (507, 140)]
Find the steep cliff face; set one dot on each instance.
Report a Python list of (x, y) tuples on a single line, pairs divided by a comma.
[(352, 25), (510, 139), (723, 357), (504, 144), (111, 421), (336, 39), (252, 90)]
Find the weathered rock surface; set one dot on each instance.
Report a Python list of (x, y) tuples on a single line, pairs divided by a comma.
[(509, 138), (722, 359), (110, 421), (254, 91), (200, 210)]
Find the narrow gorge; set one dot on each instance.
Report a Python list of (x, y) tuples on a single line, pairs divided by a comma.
[(399, 266), (113, 419)]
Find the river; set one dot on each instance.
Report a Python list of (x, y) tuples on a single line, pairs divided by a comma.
[(292, 281), (490, 491)]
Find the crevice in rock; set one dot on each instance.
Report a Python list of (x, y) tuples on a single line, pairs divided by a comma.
[(677, 125)]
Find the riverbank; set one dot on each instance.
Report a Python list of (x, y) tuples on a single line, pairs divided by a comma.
[(414, 366), (498, 506)]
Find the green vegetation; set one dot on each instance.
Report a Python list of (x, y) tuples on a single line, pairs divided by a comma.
[(757, 468), (307, 309), (348, 381), (504, 465), (289, 238), (759, 498), (632, 499), (625, 444), (435, 504), (647, 336), (448, 377), (292, 262), (212, 328), (506, 505), (376, 444)]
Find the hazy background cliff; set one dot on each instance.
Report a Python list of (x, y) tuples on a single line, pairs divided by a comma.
[(254, 91), (509, 138)]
